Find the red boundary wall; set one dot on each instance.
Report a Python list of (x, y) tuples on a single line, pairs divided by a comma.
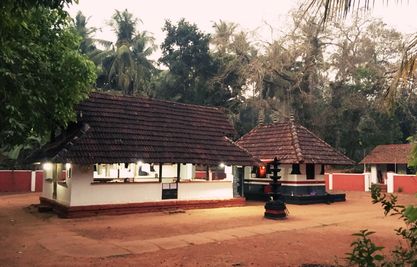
[(346, 182), (326, 180), (19, 181), (407, 183)]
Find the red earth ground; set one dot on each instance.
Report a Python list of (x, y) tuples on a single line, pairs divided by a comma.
[(239, 236)]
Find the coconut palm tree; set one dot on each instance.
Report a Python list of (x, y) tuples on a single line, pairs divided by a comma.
[(127, 67), (88, 45), (223, 35)]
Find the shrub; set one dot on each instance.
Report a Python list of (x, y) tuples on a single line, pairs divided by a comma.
[(400, 190), (366, 253)]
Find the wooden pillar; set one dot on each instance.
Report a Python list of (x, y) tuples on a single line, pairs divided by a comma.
[(178, 172), (107, 166), (118, 170), (54, 180), (207, 173), (160, 172), (242, 185), (136, 171)]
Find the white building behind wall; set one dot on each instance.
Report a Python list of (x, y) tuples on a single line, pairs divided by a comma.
[(384, 159)]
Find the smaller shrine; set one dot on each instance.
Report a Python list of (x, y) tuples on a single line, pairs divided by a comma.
[(303, 158)]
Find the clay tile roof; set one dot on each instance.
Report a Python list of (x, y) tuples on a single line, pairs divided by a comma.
[(291, 143), (117, 129), (388, 154)]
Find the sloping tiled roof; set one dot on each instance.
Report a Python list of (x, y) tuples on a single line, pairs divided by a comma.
[(388, 154), (291, 143), (117, 129)]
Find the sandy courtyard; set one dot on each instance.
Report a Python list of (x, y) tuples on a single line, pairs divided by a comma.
[(207, 237)]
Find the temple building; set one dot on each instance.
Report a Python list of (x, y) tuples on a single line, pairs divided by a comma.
[(131, 154), (303, 157)]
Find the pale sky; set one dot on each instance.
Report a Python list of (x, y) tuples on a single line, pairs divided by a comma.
[(250, 15)]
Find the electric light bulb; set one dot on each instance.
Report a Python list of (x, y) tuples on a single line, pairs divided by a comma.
[(47, 166)]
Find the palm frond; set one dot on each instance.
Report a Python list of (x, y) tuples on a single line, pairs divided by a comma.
[(406, 73), (97, 56), (336, 9), (106, 44)]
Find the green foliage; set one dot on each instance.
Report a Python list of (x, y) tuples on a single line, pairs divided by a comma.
[(364, 250), (413, 159), (331, 79), (124, 25), (126, 66), (185, 51), (42, 74), (400, 189)]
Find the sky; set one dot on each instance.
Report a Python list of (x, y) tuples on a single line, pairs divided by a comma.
[(252, 16)]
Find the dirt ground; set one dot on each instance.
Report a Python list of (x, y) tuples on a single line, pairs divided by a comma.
[(240, 236)]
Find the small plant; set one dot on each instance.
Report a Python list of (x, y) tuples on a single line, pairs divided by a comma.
[(366, 253), (400, 190)]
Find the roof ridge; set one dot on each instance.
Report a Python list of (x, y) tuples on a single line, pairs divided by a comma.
[(406, 144), (296, 141), (393, 153), (155, 99)]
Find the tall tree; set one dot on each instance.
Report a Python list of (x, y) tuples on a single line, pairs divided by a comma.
[(88, 44), (42, 73), (185, 51), (406, 70), (127, 67)]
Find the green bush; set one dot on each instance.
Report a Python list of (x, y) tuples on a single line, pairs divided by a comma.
[(400, 190), (366, 253)]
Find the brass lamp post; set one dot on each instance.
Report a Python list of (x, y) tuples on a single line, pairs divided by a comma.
[(275, 208)]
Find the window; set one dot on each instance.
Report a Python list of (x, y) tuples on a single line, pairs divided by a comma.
[(125, 172), (295, 169), (57, 171), (218, 173), (48, 170), (201, 172), (62, 173), (310, 172)]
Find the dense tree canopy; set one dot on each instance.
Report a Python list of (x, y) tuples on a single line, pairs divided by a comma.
[(42, 73), (333, 79), (185, 52)]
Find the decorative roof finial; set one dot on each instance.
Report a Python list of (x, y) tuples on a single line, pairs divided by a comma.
[(292, 118), (261, 117)]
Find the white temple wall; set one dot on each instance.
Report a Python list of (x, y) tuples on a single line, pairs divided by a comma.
[(205, 190)]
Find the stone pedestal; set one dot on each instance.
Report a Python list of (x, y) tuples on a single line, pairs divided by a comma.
[(275, 209)]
